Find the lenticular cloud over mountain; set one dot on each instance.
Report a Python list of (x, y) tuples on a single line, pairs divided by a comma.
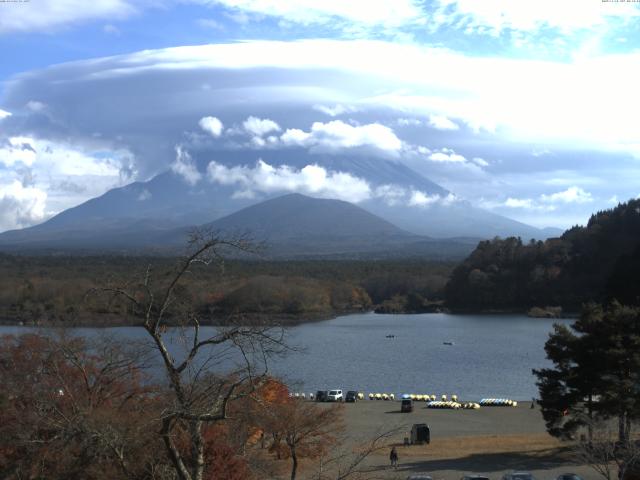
[(361, 112)]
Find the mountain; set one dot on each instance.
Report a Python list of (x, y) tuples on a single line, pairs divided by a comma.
[(296, 217), (458, 219), (128, 217), (298, 226), (290, 226), (598, 262)]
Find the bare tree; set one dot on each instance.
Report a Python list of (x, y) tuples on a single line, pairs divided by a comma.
[(214, 368), (349, 463), (606, 454)]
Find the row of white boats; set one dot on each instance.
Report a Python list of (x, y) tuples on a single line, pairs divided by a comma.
[(431, 400)]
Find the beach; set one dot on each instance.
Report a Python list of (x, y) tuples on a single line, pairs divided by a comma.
[(490, 441)]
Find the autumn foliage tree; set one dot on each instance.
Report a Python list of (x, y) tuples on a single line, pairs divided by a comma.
[(74, 409), (300, 429)]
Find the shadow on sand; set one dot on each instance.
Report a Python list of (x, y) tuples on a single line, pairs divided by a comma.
[(489, 462)]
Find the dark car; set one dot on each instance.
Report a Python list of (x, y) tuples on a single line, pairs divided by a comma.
[(406, 405), (321, 395), (568, 476), (352, 396), (473, 476), (518, 476)]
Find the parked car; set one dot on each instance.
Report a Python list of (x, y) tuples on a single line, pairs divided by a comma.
[(419, 476), (473, 476), (321, 395), (518, 476), (406, 405), (352, 396), (335, 396), (568, 476)]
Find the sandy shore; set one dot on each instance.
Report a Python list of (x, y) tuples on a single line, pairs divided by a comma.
[(490, 441)]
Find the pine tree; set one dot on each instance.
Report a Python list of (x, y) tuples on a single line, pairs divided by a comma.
[(596, 373)]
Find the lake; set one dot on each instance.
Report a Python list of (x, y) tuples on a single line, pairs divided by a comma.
[(490, 355)]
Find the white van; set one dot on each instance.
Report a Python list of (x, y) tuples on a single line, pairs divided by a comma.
[(334, 396)]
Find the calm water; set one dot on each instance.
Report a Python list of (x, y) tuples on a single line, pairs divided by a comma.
[(491, 355)]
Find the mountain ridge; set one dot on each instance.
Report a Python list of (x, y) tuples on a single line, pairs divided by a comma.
[(124, 217)]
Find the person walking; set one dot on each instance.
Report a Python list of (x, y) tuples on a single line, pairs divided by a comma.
[(393, 456)]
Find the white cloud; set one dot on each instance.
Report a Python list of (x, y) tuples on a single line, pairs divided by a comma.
[(35, 106), (312, 180), (570, 195), (441, 122), (481, 162), (391, 194), (185, 167), (519, 203), (447, 155), (307, 12), (336, 135), (69, 174), (540, 153), (211, 125), (295, 137), (421, 199), (516, 99), (18, 150), (336, 110), (260, 126), (54, 14), (21, 206), (316, 181), (514, 203), (4, 114), (614, 200), (545, 203), (414, 122), (494, 16), (59, 158)]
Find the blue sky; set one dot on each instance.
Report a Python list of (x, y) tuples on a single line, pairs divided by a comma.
[(526, 108)]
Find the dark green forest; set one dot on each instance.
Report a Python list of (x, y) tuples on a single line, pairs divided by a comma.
[(598, 262)]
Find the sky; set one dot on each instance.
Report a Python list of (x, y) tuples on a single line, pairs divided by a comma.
[(527, 108)]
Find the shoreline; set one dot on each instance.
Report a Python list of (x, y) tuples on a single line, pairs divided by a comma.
[(282, 320)]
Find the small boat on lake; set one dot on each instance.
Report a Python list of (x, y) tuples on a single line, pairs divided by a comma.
[(447, 343)]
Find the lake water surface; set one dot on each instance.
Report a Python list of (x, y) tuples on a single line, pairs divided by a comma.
[(491, 355)]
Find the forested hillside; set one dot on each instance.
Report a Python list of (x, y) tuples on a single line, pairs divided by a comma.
[(596, 262), (53, 289)]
